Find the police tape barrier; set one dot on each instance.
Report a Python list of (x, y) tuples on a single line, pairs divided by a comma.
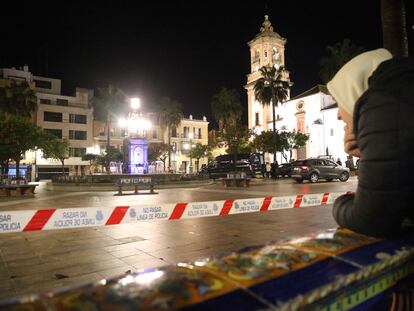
[(52, 219)]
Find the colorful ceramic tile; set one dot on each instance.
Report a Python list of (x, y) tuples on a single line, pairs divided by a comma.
[(157, 289), (251, 266), (303, 287), (385, 251), (238, 300), (330, 242)]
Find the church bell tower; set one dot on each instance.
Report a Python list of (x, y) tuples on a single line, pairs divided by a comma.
[(266, 49)]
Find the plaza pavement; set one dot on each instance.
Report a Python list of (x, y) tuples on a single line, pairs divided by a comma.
[(49, 260)]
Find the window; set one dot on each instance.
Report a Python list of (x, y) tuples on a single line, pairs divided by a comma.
[(265, 54), (61, 102), (197, 132), (43, 84), (52, 116), (174, 132), (77, 118), (185, 147), (45, 101), (154, 134), (54, 132), (186, 131), (257, 56), (76, 152), (174, 147), (257, 123), (77, 135)]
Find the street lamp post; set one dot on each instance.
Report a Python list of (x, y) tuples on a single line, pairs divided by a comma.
[(33, 176)]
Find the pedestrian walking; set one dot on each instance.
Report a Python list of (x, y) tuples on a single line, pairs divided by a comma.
[(375, 97), (339, 162)]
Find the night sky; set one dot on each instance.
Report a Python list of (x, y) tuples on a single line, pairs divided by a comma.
[(185, 50)]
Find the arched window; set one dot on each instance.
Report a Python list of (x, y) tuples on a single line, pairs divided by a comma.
[(257, 56), (275, 56)]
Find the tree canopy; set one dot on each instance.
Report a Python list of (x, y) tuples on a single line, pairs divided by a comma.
[(226, 107), (268, 142), (57, 149), (291, 141), (158, 151), (170, 116), (17, 99), (18, 135), (337, 56), (111, 154)]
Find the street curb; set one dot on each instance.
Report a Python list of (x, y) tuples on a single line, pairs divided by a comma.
[(82, 187)]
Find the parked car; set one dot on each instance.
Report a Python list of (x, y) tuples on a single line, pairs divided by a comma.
[(315, 169), (223, 164), (284, 169)]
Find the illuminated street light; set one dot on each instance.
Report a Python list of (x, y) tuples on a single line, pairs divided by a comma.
[(136, 125), (135, 144), (135, 103)]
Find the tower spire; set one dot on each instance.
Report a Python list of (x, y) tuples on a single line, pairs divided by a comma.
[(267, 25)]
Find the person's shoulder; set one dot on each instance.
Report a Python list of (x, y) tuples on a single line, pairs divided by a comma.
[(392, 72)]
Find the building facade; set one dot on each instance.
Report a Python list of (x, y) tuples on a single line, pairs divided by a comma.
[(190, 132), (313, 112), (71, 117), (64, 116)]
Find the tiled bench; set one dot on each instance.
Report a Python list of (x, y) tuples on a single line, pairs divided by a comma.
[(329, 270)]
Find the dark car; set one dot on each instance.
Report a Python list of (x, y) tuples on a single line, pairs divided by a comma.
[(223, 164), (217, 169), (284, 169), (315, 169)]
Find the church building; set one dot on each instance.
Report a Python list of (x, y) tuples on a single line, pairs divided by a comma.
[(313, 112)]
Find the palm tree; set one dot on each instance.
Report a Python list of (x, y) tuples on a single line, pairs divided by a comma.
[(106, 101), (272, 88), (226, 107), (394, 31), (338, 55), (18, 99), (170, 116)]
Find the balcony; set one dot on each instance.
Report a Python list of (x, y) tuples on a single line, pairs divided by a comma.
[(186, 135)]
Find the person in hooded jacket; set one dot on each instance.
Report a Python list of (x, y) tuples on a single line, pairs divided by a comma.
[(375, 96)]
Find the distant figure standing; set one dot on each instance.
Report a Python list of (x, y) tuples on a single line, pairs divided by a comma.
[(263, 169), (268, 169), (274, 173), (339, 162)]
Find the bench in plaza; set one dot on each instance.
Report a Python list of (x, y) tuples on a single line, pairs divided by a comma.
[(22, 188), (236, 180), (136, 182)]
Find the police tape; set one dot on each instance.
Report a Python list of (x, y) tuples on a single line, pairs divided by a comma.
[(53, 219)]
